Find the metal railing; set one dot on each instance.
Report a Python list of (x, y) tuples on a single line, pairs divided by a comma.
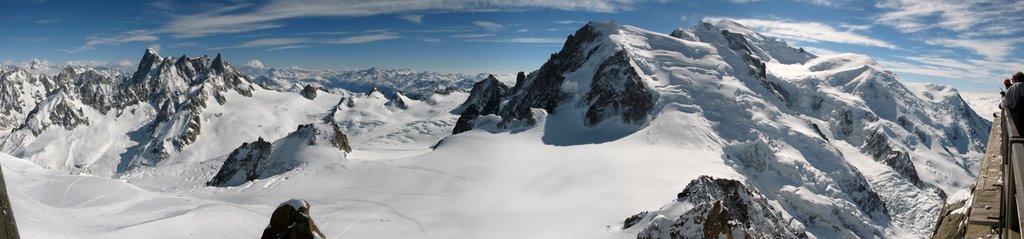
[(1013, 182)]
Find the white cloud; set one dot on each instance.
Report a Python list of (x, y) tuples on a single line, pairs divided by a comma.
[(126, 64), (991, 49), (245, 17), (472, 35), (826, 3), (571, 22), (971, 70), (991, 17), (540, 40), (155, 47), (274, 42), (808, 32), (290, 43), (131, 36), (254, 63), (366, 38), (412, 18), (489, 26), (820, 51), (285, 47)]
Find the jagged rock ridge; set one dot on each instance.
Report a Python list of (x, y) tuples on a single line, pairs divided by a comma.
[(715, 208), (261, 159)]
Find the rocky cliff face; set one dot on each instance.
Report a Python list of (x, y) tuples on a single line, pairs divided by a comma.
[(309, 92), (261, 159), (242, 164), (485, 98), (58, 109), (715, 208), (615, 88), (177, 88)]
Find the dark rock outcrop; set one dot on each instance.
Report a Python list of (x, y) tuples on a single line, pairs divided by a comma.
[(617, 89), (721, 208), (57, 110), (485, 98), (292, 220), (309, 92), (242, 164), (542, 89), (398, 101), (261, 159), (877, 145)]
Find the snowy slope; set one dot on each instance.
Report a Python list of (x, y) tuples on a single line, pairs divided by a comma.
[(850, 149), (618, 122)]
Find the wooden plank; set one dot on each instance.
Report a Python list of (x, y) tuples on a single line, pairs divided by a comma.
[(985, 211)]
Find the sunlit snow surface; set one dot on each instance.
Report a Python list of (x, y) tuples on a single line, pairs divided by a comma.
[(494, 182)]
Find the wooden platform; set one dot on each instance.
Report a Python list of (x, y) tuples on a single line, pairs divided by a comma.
[(984, 215)]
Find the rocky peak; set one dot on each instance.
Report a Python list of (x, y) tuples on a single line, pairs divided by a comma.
[(261, 159), (717, 208), (218, 66), (616, 88), (398, 100), (375, 92), (242, 164), (149, 60), (484, 99), (309, 92), (58, 109), (520, 77)]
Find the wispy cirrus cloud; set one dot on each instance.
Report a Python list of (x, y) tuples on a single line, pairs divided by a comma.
[(132, 36), (972, 18), (246, 17), (971, 70), (489, 26), (412, 18), (295, 42), (826, 3), (991, 49), (238, 17), (366, 38), (528, 40), (809, 32)]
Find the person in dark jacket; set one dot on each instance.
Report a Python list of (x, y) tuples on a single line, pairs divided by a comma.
[(1012, 98)]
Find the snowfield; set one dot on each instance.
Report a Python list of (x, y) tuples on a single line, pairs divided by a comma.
[(617, 124)]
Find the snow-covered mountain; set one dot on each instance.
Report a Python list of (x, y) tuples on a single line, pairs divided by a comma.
[(623, 133), (415, 83), (847, 149)]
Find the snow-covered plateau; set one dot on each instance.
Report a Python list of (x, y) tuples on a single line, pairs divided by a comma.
[(709, 131)]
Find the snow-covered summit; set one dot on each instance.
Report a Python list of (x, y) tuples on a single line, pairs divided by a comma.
[(856, 134)]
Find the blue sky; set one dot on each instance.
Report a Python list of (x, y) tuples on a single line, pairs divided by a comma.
[(971, 45)]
